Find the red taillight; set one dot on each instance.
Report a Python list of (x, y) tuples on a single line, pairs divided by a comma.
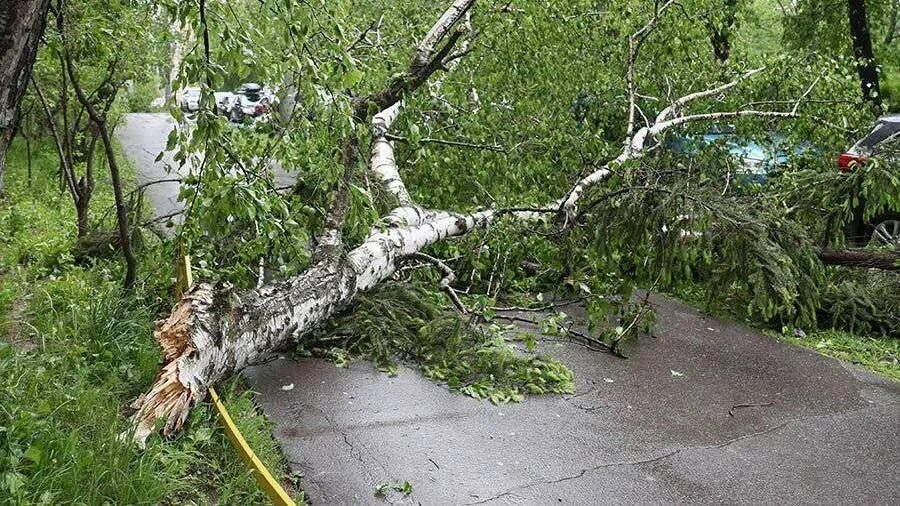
[(847, 160)]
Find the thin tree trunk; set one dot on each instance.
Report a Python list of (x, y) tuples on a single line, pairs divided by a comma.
[(66, 175), (21, 25), (99, 120), (862, 52), (121, 212), (720, 34), (892, 24), (86, 187), (27, 154)]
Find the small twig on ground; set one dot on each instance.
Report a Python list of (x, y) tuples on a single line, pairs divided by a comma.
[(753, 405), (590, 342), (547, 307)]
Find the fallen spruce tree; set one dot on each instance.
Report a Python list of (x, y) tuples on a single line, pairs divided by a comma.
[(214, 332)]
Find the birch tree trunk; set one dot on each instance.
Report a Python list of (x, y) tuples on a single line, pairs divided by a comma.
[(862, 52), (214, 332)]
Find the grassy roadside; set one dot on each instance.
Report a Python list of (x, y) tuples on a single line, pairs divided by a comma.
[(880, 355), (75, 350)]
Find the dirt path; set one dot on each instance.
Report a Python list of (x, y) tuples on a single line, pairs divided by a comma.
[(15, 332)]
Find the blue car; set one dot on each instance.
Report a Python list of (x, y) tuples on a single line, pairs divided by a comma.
[(755, 161)]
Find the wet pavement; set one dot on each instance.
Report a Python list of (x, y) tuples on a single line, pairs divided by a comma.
[(143, 136), (705, 411)]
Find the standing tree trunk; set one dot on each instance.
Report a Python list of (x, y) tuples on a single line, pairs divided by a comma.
[(21, 26), (892, 24), (99, 119), (721, 24), (86, 186), (862, 52)]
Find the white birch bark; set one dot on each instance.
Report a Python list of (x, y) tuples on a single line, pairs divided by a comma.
[(440, 29), (213, 333), (383, 163)]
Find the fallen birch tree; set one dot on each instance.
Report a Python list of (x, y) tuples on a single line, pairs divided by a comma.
[(214, 332)]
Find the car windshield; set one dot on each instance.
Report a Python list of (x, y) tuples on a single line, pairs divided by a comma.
[(192, 93), (882, 132)]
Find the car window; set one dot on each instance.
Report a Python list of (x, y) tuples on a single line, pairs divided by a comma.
[(881, 132), (889, 149)]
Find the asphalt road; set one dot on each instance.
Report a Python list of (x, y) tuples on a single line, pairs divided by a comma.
[(705, 411), (142, 137)]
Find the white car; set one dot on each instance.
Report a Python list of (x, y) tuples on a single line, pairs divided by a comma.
[(252, 100), (189, 99), (223, 101)]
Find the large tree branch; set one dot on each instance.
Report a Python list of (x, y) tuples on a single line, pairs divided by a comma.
[(385, 100), (383, 164), (659, 128), (635, 41), (679, 104), (439, 31), (427, 60)]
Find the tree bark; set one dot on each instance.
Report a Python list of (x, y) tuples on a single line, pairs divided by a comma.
[(858, 258), (85, 187), (720, 33), (862, 52), (213, 332), (21, 25), (98, 117)]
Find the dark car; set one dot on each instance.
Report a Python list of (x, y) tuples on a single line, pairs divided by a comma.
[(884, 229)]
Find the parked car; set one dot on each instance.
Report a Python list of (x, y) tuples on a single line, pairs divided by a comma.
[(756, 161), (250, 100), (884, 229), (189, 99), (223, 101)]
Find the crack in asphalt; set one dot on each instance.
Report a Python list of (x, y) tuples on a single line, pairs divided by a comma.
[(672, 453), (353, 450), (589, 409)]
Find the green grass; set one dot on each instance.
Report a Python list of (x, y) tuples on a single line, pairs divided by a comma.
[(881, 356), (63, 403)]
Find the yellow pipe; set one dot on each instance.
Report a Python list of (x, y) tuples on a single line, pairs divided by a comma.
[(263, 476)]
